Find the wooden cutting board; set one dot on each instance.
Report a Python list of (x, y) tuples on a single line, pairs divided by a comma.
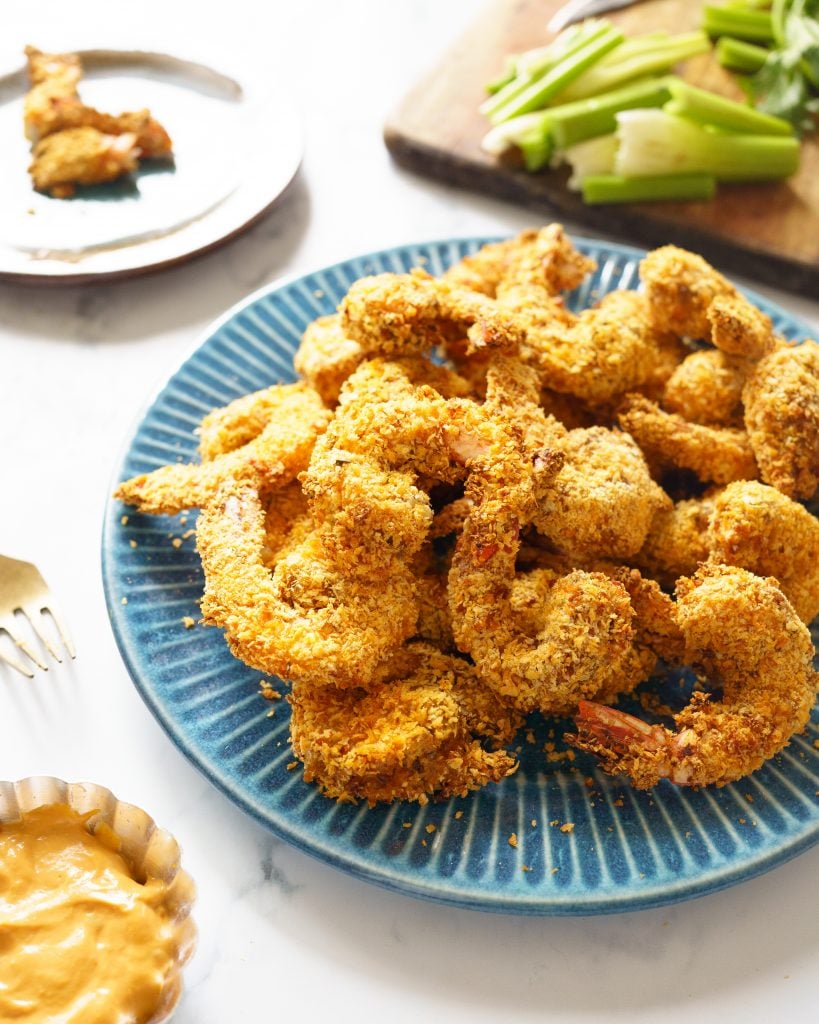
[(769, 231)]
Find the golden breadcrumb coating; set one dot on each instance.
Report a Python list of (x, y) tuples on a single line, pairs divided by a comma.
[(326, 357), (669, 352), (603, 500), (81, 156), (409, 314), (680, 287), (544, 257), (744, 636), (406, 740), (281, 451), (233, 425), (715, 454), (308, 621), (677, 540), (781, 399), (54, 78), (706, 387), (64, 112), (762, 530), (287, 522), (738, 328)]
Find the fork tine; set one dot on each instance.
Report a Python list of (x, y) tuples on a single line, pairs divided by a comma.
[(14, 663), (34, 619), (8, 624), (62, 629)]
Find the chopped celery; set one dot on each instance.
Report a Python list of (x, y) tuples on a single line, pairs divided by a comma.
[(613, 188), (584, 119), (539, 133), (742, 24), (659, 58), (539, 92), (534, 64), (508, 75), (708, 108), (531, 133), (654, 142), (594, 156), (735, 55)]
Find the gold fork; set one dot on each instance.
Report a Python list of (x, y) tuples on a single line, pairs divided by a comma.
[(23, 589)]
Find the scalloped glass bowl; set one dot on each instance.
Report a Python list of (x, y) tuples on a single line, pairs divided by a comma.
[(148, 850)]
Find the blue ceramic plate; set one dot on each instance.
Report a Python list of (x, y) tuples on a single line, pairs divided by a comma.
[(585, 843)]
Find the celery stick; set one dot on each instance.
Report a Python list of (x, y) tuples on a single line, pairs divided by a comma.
[(574, 122), (654, 142), (531, 133), (534, 64), (538, 93), (658, 60), (509, 133), (729, 21), (594, 156), (708, 108), (735, 55), (613, 188), (508, 75)]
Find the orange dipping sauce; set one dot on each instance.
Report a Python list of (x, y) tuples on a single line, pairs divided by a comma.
[(81, 941)]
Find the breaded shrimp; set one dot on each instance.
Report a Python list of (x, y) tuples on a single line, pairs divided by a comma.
[(587, 635), (600, 354), (64, 112), (409, 314), (544, 258), (405, 740), (677, 540), (742, 633), (715, 454), (233, 425), (706, 388), (602, 502), (295, 418), (54, 78), (762, 530), (781, 399), (680, 287), (81, 156), (363, 477), (308, 621), (326, 357), (738, 328)]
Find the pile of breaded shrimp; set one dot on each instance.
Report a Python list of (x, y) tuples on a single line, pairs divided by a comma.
[(74, 143), (476, 505)]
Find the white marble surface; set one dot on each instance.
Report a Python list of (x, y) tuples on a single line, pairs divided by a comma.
[(283, 936)]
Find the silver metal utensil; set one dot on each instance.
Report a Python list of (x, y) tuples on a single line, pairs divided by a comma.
[(577, 10)]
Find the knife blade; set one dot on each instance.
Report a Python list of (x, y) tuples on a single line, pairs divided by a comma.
[(577, 10)]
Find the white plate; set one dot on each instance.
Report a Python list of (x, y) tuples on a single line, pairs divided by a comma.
[(237, 145)]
